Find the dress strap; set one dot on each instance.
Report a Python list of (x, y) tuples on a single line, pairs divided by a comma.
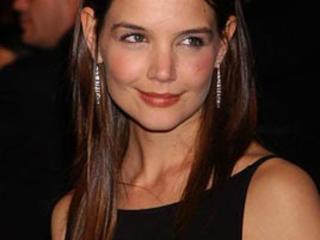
[(261, 160), (243, 185), (229, 201)]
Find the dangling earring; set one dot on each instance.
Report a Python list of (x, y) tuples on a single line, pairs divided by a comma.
[(218, 87), (97, 85)]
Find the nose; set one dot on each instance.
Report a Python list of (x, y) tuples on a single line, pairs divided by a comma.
[(162, 65), (20, 5)]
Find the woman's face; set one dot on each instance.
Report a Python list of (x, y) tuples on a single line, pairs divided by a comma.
[(159, 57)]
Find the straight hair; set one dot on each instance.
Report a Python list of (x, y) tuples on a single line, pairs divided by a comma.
[(102, 131)]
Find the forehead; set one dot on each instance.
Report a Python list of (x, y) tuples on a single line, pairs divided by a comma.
[(161, 12)]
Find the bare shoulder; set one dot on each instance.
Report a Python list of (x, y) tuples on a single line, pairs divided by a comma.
[(59, 217), (282, 203)]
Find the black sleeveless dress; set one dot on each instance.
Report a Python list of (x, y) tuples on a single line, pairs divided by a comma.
[(219, 216)]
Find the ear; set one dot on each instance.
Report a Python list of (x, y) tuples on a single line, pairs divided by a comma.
[(88, 23), (228, 33)]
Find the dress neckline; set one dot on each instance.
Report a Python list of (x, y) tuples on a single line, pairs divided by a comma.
[(173, 205)]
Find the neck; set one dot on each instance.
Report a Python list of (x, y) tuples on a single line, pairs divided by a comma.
[(153, 155)]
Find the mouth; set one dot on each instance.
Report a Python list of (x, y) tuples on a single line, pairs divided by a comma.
[(161, 100), (24, 21)]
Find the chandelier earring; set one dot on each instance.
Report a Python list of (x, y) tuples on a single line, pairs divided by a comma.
[(97, 84), (218, 88)]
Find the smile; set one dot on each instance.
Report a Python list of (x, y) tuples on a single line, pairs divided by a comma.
[(160, 100)]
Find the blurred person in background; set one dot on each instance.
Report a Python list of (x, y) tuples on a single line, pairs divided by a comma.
[(45, 22), (35, 142), (11, 46)]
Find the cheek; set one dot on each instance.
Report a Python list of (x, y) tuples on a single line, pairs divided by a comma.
[(200, 68), (45, 15), (124, 66), (204, 64)]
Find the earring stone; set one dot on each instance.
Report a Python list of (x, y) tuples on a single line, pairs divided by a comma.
[(218, 88), (97, 85)]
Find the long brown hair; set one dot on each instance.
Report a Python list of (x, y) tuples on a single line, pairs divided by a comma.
[(102, 130)]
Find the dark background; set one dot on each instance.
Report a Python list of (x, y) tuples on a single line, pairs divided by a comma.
[(284, 38)]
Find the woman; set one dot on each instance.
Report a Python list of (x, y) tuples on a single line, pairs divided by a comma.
[(165, 110)]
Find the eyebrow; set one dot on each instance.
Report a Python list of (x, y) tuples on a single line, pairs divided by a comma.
[(205, 30), (126, 25), (131, 26)]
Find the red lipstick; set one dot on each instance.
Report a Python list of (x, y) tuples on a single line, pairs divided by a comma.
[(160, 100)]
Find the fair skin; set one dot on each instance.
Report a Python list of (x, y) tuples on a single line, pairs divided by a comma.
[(160, 56), (172, 47), (44, 22), (164, 59)]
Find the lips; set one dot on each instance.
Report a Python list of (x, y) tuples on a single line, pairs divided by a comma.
[(24, 21), (160, 100)]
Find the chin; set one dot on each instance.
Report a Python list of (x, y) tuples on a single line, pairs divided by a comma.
[(30, 41), (26, 38), (159, 125), (158, 129)]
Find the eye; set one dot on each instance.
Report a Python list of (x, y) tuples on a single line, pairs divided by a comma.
[(133, 38), (193, 41)]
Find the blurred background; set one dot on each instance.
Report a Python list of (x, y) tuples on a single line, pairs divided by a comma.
[(35, 132), (10, 33)]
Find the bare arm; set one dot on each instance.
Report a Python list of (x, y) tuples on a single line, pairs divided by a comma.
[(283, 203), (59, 218)]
